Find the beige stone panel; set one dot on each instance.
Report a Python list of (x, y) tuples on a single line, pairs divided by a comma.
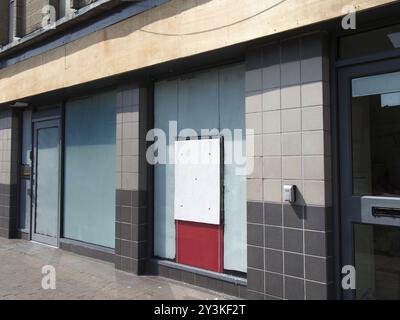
[(192, 27)]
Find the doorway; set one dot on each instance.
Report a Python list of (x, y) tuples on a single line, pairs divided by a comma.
[(46, 181), (369, 139)]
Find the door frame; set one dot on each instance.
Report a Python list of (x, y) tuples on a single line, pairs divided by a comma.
[(49, 116), (344, 147)]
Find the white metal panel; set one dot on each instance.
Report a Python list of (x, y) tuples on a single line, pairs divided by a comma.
[(198, 180), (378, 84)]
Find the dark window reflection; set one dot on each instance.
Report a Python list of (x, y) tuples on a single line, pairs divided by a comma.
[(371, 41), (376, 146), (377, 262)]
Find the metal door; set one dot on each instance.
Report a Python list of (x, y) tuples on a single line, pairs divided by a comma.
[(46, 178), (369, 138)]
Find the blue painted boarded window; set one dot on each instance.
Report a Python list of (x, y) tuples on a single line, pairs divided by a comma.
[(89, 181), (212, 99)]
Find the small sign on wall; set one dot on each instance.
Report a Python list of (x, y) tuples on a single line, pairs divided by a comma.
[(198, 180)]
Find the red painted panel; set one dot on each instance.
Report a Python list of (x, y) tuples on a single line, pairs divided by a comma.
[(200, 245)]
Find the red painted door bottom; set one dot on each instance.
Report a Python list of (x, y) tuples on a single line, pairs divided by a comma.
[(200, 245)]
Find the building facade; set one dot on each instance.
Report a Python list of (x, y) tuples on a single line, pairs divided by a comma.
[(297, 101)]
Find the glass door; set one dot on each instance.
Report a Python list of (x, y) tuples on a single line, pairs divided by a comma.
[(369, 137), (46, 177)]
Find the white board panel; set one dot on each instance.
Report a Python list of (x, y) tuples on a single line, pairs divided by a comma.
[(198, 181)]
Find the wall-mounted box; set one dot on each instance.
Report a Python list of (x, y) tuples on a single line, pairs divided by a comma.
[(198, 181)]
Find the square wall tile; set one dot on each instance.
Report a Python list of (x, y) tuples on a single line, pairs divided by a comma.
[(290, 97), (254, 167), (272, 145), (273, 237), (274, 260), (254, 122), (294, 264), (119, 117), (254, 295), (312, 69), (314, 45), (118, 131), (293, 240), (130, 147), (130, 181), (291, 144), (293, 216), (290, 50), (314, 168), (255, 280), (319, 291), (118, 180), (130, 130), (313, 118), (253, 80), (271, 76), (313, 142), (272, 190), (291, 120), (255, 257), (253, 102), (131, 113), (253, 59), (292, 167), (254, 190), (294, 288), (255, 235), (271, 61), (255, 212), (314, 193), (272, 167), (317, 218), (312, 94), (274, 284), (273, 214), (271, 54), (318, 269), (271, 121), (316, 243), (254, 145), (130, 164), (290, 73), (271, 99)]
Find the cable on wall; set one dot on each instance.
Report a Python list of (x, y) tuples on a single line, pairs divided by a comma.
[(216, 28)]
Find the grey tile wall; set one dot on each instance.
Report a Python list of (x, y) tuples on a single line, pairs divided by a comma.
[(131, 224), (8, 173), (287, 106)]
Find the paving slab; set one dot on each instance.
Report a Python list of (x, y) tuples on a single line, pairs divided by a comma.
[(79, 277)]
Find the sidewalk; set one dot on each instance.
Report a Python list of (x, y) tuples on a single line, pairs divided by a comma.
[(79, 277)]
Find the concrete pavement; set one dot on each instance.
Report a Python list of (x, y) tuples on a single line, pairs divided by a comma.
[(79, 277)]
